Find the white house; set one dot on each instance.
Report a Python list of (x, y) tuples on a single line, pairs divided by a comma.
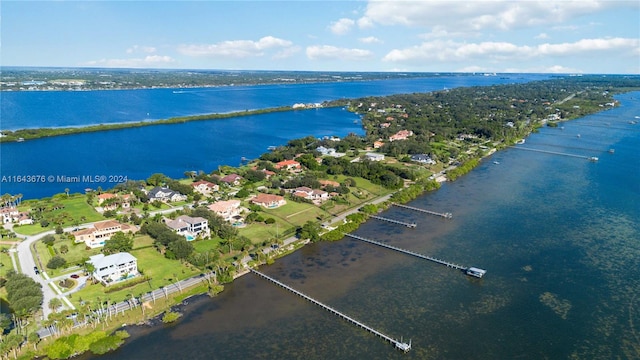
[(422, 158), (114, 268), (189, 227), (374, 156), (165, 195)]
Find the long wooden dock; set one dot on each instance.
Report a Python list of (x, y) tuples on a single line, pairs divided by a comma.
[(439, 261), (409, 225), (398, 344), (590, 158), (444, 215)]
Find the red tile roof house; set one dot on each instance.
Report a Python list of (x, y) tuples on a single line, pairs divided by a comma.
[(288, 165), (102, 231), (232, 179), (227, 208), (401, 135), (268, 200), (205, 187)]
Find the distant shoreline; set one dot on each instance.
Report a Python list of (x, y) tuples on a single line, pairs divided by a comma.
[(37, 133)]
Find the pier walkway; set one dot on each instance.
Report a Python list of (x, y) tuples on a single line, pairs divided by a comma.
[(444, 215), (398, 344), (439, 261), (409, 225), (590, 158)]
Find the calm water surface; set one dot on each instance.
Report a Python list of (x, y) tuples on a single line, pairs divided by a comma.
[(557, 234)]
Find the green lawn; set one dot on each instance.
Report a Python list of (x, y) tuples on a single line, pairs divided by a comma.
[(5, 262), (202, 246), (77, 252), (75, 211)]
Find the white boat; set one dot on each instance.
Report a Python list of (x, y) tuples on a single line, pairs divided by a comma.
[(593, 158)]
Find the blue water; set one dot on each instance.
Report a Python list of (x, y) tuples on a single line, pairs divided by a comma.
[(137, 153), (33, 109), (558, 235), (174, 149)]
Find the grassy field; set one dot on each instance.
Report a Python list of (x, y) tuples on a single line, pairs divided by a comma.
[(5, 262), (75, 255), (75, 211)]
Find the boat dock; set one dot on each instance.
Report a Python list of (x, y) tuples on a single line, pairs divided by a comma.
[(439, 261), (409, 225), (444, 215), (398, 344), (590, 158)]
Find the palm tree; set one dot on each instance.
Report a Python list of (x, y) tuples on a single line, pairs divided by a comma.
[(66, 190), (54, 304)]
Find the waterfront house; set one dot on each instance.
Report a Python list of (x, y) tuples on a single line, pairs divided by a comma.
[(227, 209), (96, 235), (113, 268), (110, 201), (189, 227), (268, 201)]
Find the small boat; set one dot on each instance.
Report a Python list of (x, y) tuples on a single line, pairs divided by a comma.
[(20, 140), (611, 151), (496, 162), (476, 272), (593, 158)]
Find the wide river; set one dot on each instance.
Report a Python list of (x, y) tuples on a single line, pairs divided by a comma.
[(54, 164), (557, 234)]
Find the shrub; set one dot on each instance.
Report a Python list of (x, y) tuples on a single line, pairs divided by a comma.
[(48, 240), (56, 262), (170, 316)]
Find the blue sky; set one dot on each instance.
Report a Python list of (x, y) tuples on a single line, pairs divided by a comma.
[(585, 36)]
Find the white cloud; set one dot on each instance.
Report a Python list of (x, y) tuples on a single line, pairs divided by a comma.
[(146, 62), (499, 51), (554, 69), (141, 49), (341, 26), (236, 48), (439, 32), (370, 40), (541, 36), (482, 14), (327, 52)]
